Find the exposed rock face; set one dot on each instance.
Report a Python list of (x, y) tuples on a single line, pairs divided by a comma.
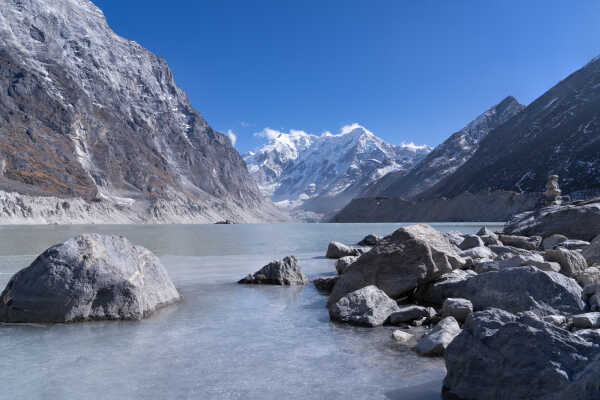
[(445, 158), (438, 339), (314, 175), (339, 250), (411, 256), (577, 220), (481, 206), (281, 272), (501, 356), (367, 306), (90, 115), (562, 125), (512, 289), (89, 277)]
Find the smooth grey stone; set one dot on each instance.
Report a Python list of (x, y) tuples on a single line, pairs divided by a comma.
[(88, 277)]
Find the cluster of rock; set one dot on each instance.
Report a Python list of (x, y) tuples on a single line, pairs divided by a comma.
[(89, 277), (515, 316)]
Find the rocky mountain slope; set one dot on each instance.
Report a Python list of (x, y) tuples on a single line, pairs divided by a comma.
[(90, 116), (559, 133), (320, 174), (446, 158)]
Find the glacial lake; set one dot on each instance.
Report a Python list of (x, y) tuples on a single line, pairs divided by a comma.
[(224, 341)]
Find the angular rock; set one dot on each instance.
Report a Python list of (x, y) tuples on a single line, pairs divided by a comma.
[(411, 313), (556, 320), (500, 356), (512, 289), (282, 272), (339, 250), (460, 309), (592, 252), (521, 242), (572, 263), (590, 276), (368, 306), (471, 241), (478, 253), (438, 291), (410, 257), (484, 231), (325, 283), (435, 342), (343, 263), (589, 320), (551, 241), (369, 240), (402, 337), (579, 220), (455, 238), (89, 277)]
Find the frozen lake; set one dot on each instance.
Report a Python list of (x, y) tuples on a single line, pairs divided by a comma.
[(224, 341)]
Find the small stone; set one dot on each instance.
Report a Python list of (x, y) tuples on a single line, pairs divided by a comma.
[(402, 337), (572, 262)]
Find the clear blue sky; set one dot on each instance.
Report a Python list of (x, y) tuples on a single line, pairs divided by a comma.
[(407, 70)]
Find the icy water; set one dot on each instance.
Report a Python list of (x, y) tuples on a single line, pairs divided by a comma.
[(224, 341)]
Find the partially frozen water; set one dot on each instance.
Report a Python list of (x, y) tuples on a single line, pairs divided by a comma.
[(224, 341)]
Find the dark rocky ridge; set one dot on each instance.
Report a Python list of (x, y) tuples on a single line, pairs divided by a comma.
[(88, 114), (559, 133), (445, 158), (483, 206)]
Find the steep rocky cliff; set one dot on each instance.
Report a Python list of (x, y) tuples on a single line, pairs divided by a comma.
[(86, 114), (559, 133), (446, 158)]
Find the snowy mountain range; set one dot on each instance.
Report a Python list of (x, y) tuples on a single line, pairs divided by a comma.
[(315, 175)]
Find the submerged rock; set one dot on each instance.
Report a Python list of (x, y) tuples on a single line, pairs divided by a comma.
[(368, 306), (282, 272), (89, 277), (501, 356), (339, 250), (411, 256)]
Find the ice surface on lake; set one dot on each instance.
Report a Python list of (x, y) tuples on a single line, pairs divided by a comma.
[(224, 341)]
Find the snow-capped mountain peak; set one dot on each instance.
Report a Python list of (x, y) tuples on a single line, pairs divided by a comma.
[(320, 173)]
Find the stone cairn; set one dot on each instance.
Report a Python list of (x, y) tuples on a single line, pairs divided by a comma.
[(553, 193)]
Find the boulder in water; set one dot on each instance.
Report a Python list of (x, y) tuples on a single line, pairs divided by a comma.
[(281, 272), (367, 306), (89, 277)]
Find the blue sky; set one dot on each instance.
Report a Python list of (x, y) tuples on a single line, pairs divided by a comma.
[(410, 71)]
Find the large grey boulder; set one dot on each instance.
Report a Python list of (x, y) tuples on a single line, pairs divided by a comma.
[(282, 272), (572, 263), (367, 306), (339, 250), (437, 340), (500, 356), (89, 277), (592, 252), (579, 220), (410, 257), (512, 289)]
